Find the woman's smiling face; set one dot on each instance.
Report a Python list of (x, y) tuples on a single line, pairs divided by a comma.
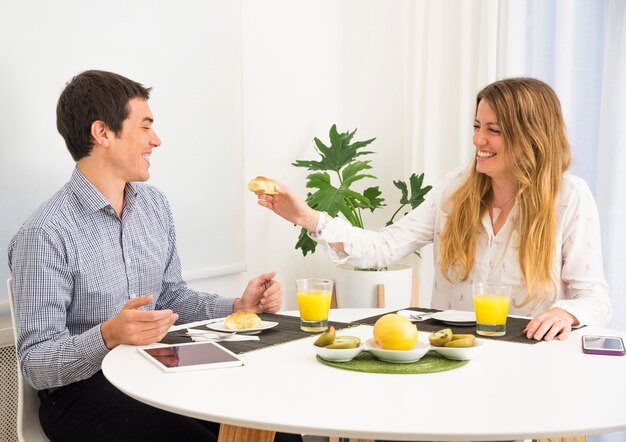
[(489, 143)]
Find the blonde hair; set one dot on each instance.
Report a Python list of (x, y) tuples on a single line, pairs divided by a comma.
[(537, 154)]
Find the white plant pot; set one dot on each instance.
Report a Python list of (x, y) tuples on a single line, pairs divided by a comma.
[(359, 288)]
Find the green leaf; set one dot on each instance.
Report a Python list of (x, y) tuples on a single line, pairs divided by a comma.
[(334, 201), (350, 173), (373, 194), (331, 199), (311, 165), (338, 154), (417, 192), (404, 199), (335, 137), (342, 156), (305, 243)]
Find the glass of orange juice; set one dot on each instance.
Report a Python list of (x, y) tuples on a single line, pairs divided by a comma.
[(314, 303), (491, 304)]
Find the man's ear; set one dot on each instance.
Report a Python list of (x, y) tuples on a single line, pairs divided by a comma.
[(100, 133)]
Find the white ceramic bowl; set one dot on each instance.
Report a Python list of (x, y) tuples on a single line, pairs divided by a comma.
[(459, 353), (398, 356), (338, 354)]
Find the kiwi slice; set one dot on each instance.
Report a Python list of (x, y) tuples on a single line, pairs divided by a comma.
[(345, 342), (441, 337), (326, 338), (462, 336), (462, 342)]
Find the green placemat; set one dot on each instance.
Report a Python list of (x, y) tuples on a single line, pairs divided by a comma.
[(367, 362)]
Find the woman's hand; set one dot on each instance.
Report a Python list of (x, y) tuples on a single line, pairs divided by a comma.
[(291, 207), (552, 323)]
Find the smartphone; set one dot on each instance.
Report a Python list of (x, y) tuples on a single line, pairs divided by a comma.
[(192, 356), (603, 345)]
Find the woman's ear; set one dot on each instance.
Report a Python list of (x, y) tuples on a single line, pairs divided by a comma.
[(100, 133)]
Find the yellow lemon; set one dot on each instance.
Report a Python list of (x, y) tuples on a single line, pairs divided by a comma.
[(395, 332)]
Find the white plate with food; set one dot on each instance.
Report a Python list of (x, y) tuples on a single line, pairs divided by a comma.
[(220, 327), (398, 356), (455, 317)]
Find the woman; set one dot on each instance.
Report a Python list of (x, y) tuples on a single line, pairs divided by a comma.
[(515, 217)]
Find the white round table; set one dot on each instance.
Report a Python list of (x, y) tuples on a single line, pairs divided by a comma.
[(510, 391)]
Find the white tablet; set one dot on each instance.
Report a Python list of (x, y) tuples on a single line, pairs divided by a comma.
[(191, 356)]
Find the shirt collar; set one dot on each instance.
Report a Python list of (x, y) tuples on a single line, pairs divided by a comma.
[(508, 224), (90, 197)]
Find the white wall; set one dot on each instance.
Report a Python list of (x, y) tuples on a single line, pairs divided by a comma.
[(308, 65), (302, 66), (190, 55)]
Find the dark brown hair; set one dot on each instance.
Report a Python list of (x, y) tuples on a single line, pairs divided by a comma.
[(94, 96)]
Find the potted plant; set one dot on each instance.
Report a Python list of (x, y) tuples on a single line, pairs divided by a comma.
[(342, 163)]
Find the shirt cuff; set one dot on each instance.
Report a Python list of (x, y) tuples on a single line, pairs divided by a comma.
[(330, 230), (92, 346), (579, 313), (322, 221), (223, 307)]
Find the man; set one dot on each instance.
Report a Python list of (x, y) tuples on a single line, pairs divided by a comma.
[(96, 266)]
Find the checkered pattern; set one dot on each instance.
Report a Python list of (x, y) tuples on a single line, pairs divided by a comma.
[(9, 396), (75, 264)]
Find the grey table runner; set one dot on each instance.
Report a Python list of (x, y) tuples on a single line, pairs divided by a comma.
[(288, 329), (514, 327)]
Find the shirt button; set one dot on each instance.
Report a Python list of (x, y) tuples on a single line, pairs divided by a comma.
[(129, 261), (111, 210)]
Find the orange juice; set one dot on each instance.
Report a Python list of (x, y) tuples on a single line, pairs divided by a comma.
[(491, 311), (314, 305), (314, 301)]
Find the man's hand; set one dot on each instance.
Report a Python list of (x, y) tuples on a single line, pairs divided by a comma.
[(263, 294), (137, 327), (552, 323)]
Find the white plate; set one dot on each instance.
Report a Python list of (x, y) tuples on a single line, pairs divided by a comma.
[(455, 317), (219, 326), (398, 356), (458, 353), (339, 354)]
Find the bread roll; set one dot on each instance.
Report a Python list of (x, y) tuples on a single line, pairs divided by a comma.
[(263, 185), (241, 320)]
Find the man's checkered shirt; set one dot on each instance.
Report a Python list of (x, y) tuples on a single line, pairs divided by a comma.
[(75, 264)]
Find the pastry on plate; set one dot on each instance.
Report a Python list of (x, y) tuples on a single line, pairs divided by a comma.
[(261, 184), (242, 320)]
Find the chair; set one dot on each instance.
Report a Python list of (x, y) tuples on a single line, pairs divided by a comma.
[(28, 426)]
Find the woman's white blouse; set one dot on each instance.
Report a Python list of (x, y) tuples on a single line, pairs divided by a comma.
[(581, 290)]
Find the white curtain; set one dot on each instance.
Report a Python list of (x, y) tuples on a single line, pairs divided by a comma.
[(611, 179), (611, 151), (579, 47)]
